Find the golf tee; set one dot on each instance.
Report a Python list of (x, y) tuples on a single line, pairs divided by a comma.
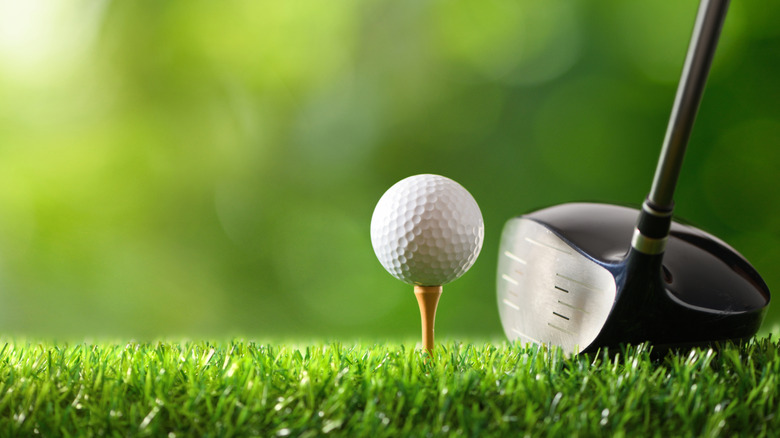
[(427, 299)]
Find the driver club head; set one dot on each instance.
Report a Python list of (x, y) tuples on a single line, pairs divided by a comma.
[(568, 276)]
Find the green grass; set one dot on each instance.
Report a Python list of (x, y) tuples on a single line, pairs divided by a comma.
[(240, 388)]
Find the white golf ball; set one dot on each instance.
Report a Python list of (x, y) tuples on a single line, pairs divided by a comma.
[(427, 230)]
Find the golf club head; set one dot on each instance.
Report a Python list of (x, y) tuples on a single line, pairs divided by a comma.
[(567, 276)]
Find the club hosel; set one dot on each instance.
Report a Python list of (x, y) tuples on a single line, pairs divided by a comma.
[(652, 229)]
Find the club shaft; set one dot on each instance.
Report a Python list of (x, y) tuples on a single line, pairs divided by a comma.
[(701, 50), (652, 231)]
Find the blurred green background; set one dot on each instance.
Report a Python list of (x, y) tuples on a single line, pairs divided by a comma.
[(196, 168)]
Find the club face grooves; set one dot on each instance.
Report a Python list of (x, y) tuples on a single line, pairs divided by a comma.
[(530, 305)]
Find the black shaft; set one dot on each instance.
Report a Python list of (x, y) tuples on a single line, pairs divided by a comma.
[(656, 217), (701, 50)]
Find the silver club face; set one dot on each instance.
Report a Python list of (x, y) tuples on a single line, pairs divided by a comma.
[(548, 292)]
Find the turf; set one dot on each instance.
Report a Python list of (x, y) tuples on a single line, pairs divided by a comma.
[(241, 388)]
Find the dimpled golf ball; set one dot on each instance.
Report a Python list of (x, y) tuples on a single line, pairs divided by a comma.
[(427, 230)]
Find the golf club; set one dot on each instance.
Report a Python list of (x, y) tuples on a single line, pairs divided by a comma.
[(583, 276)]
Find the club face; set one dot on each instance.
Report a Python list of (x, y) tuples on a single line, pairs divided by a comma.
[(699, 291), (549, 292)]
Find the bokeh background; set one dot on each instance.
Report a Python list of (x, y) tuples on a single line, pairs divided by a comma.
[(197, 168)]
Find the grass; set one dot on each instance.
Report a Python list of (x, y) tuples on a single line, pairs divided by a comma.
[(240, 388)]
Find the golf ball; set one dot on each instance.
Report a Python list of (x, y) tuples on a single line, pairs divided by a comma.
[(427, 230)]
